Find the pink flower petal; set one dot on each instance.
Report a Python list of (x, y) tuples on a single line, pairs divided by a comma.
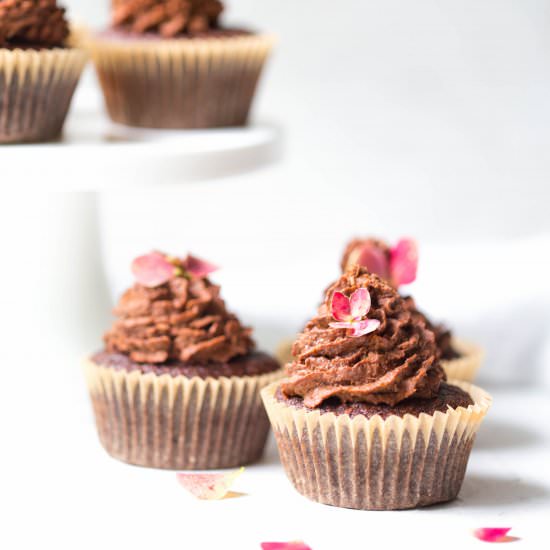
[(341, 324), (293, 545), (404, 262), (152, 269), (360, 328), (340, 307), (211, 486), (374, 259), (359, 303), (491, 534), (198, 268)]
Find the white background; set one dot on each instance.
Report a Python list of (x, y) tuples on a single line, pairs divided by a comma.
[(425, 118)]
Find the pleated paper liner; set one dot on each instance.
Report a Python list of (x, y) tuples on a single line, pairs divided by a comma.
[(463, 368), (284, 352), (467, 365), (178, 422), (376, 464), (180, 83), (36, 89)]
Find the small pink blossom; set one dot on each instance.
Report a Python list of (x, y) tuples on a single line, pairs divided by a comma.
[(404, 262), (208, 486), (153, 269), (492, 534), (350, 312), (293, 545), (198, 268), (401, 266)]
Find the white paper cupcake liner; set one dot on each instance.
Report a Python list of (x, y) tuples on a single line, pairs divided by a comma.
[(376, 463), (178, 422)]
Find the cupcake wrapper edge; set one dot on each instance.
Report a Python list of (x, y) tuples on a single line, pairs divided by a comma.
[(467, 365), (178, 422), (376, 464), (36, 89), (180, 83)]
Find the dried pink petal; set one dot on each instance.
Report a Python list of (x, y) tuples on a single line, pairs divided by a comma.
[(293, 545), (404, 262), (209, 486), (341, 324), (359, 303), (340, 307), (374, 259), (152, 270), (198, 268), (491, 534), (360, 328)]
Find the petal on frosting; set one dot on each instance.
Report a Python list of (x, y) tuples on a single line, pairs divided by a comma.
[(374, 259), (341, 324), (360, 303), (152, 270), (491, 534), (199, 268), (404, 262), (293, 545), (211, 486), (360, 328), (340, 307)]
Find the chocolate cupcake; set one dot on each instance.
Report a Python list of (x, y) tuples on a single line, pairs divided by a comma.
[(365, 418), (40, 65), (170, 64), (178, 382), (398, 265)]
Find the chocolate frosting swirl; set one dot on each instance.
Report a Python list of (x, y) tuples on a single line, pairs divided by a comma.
[(38, 23), (169, 18), (181, 320), (396, 361)]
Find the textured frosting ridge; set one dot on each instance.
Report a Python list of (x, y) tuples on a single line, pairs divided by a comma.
[(39, 23), (396, 361), (183, 319), (169, 18)]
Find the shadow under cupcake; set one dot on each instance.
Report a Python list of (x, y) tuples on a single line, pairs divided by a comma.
[(178, 383), (170, 64), (40, 66), (365, 418)]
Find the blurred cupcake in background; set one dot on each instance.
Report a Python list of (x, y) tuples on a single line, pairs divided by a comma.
[(171, 64), (365, 418), (178, 382), (40, 65), (398, 265)]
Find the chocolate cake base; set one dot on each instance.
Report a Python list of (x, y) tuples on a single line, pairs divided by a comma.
[(125, 35), (252, 364), (448, 397)]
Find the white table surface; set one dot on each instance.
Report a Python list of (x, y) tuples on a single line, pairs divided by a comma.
[(64, 491)]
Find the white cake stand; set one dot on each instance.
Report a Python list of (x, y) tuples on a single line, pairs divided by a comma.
[(96, 155)]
